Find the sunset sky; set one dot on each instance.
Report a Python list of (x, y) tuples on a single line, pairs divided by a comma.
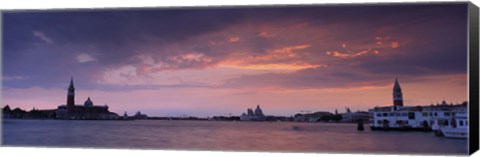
[(221, 61)]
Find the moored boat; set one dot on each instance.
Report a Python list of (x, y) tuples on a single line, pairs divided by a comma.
[(457, 128)]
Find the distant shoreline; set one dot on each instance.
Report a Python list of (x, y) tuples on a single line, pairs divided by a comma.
[(173, 120)]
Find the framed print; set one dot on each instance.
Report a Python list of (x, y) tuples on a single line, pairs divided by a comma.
[(399, 78)]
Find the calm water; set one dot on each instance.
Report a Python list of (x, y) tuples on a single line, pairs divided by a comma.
[(216, 135)]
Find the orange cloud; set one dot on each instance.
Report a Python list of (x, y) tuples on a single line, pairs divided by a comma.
[(285, 58), (234, 39), (275, 55), (395, 44), (383, 42), (378, 45), (273, 66), (290, 50), (266, 35), (347, 55)]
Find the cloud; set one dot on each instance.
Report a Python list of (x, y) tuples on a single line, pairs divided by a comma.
[(285, 58), (274, 66), (290, 49), (348, 55), (9, 78), (381, 45), (234, 39), (190, 57), (84, 58), (395, 44), (266, 40), (43, 37), (266, 35)]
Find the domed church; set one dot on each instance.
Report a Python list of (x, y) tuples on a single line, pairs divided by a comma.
[(88, 103), (253, 116), (86, 111)]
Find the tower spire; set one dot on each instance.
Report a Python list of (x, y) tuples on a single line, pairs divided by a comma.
[(71, 96), (397, 94), (71, 83), (397, 85)]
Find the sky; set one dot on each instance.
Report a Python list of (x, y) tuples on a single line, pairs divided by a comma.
[(221, 61)]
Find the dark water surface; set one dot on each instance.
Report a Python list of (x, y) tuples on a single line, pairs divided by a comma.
[(217, 135)]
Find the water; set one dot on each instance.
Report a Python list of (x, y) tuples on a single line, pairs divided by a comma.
[(219, 135)]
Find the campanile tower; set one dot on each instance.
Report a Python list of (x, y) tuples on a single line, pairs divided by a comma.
[(397, 94), (71, 96)]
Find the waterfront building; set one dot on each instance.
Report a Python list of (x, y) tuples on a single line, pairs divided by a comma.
[(86, 111), (413, 117), (311, 117), (139, 115), (353, 117), (253, 116)]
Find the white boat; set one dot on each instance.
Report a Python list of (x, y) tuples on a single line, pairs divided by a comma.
[(457, 128)]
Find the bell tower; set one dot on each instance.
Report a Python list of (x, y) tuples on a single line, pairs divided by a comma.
[(71, 96), (397, 94)]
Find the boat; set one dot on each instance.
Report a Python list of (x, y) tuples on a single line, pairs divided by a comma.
[(457, 128)]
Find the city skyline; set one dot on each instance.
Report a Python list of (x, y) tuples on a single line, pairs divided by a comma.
[(205, 62)]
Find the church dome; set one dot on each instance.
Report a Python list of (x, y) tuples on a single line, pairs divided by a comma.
[(258, 111), (88, 102)]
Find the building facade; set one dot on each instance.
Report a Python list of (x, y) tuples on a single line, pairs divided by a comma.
[(88, 110), (413, 117), (251, 115), (311, 117), (353, 117)]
